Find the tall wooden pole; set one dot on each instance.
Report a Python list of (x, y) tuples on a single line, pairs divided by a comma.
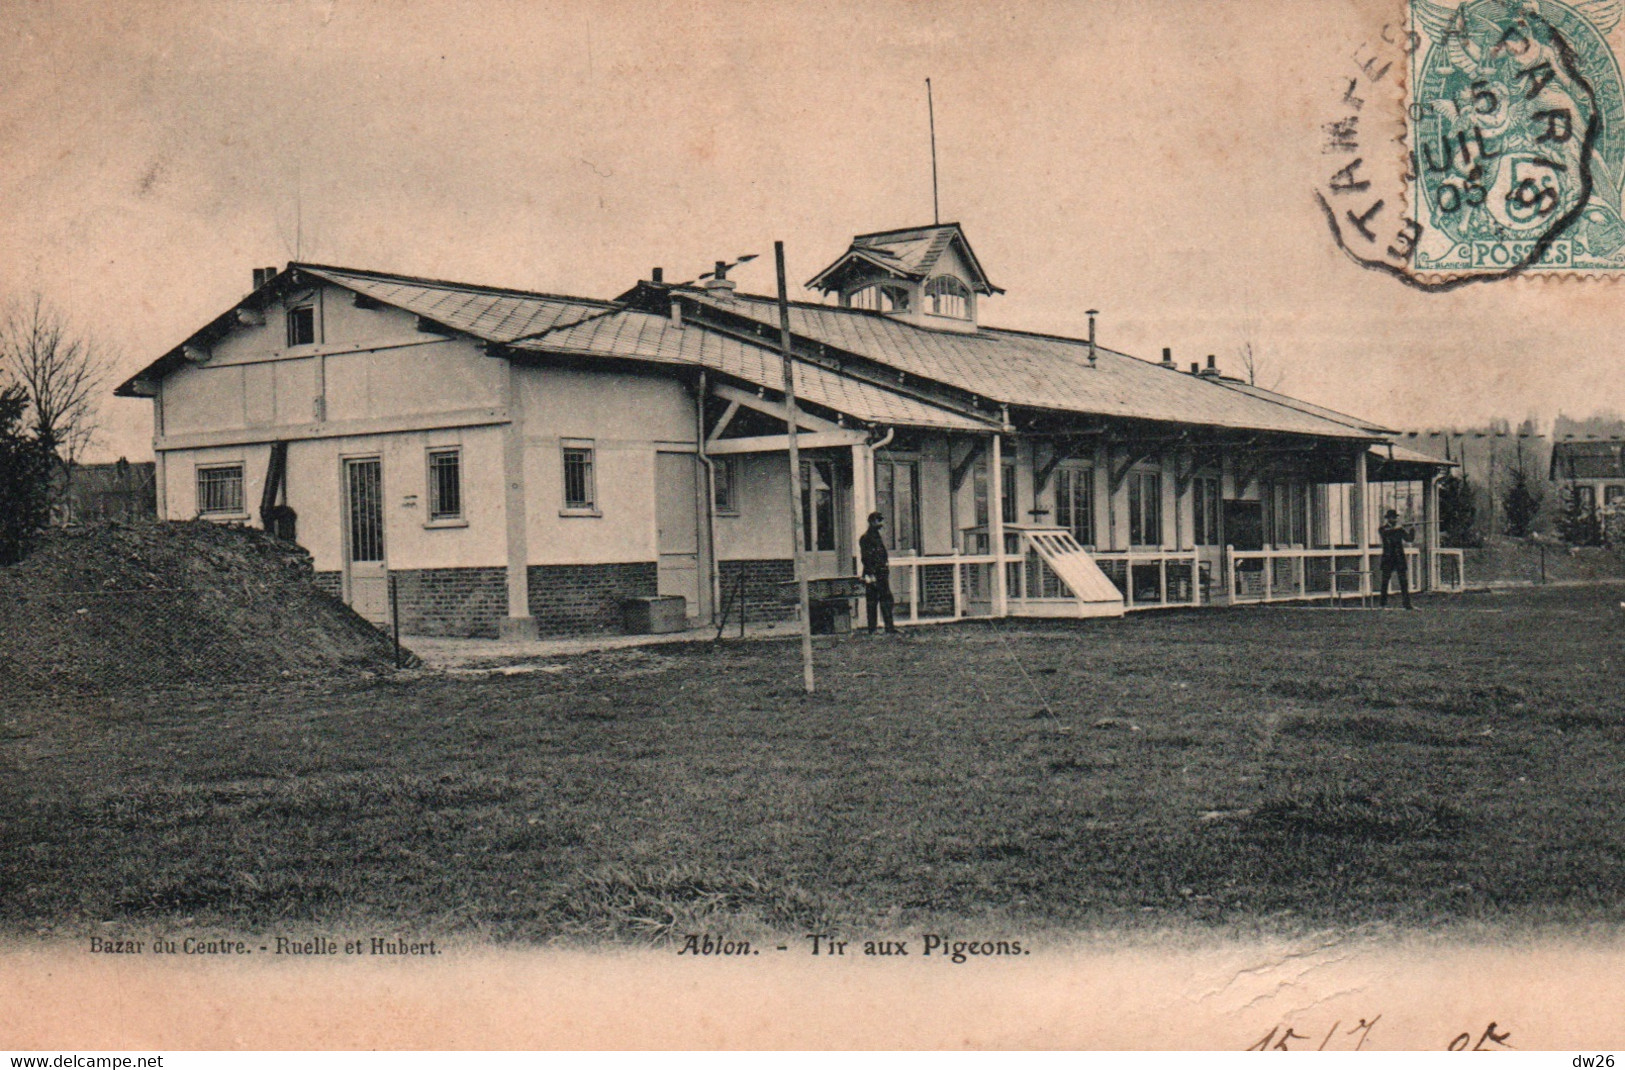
[(798, 523)]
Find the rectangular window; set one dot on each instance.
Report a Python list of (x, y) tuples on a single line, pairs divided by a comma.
[(220, 490), (1145, 509), (1008, 506), (1075, 502), (445, 484), (302, 325), (1613, 494), (579, 494), (897, 497), (723, 485), (1205, 506)]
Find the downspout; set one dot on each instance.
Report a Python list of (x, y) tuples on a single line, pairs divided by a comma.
[(885, 440), (710, 496)]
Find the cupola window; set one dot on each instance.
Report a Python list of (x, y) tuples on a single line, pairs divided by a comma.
[(947, 296), (881, 298)]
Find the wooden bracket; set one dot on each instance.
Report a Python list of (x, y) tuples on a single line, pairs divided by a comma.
[(962, 469), (1119, 471), (1063, 450), (722, 423)]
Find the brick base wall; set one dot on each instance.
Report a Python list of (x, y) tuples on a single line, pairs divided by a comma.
[(572, 599), (472, 602), (763, 589), (936, 589), (452, 601)]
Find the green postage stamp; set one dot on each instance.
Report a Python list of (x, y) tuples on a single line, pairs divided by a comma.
[(1516, 133)]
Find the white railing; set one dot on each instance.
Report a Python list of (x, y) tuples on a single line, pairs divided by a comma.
[(1152, 579), (956, 586), (943, 586), (1296, 574)]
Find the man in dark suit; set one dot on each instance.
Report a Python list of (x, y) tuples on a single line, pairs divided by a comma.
[(1394, 536), (877, 573)]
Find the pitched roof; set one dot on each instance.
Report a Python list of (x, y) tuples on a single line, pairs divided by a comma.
[(644, 336), (493, 315), (1594, 459), (912, 252), (549, 323), (1042, 372), (1001, 366)]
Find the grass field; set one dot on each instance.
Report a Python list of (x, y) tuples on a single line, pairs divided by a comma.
[(1231, 770)]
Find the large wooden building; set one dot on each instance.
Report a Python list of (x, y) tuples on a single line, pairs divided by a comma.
[(522, 462)]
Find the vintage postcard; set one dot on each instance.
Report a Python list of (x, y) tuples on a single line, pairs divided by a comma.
[(865, 524)]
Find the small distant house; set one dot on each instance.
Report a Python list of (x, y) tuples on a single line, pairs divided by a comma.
[(522, 462), (1592, 471)]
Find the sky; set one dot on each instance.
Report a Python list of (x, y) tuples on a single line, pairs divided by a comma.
[(1154, 160)]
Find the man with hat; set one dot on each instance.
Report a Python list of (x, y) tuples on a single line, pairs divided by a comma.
[(877, 573), (1394, 536)]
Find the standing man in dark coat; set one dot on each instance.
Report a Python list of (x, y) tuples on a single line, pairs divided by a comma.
[(876, 573), (1394, 536)]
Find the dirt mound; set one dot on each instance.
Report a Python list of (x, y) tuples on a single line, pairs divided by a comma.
[(173, 604)]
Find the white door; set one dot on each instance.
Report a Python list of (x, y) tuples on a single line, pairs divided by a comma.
[(366, 580), (677, 539)]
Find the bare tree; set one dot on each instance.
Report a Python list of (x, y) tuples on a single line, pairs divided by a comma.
[(1253, 363), (62, 370)]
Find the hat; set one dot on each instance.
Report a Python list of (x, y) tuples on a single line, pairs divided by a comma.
[(1391, 513), (875, 518)]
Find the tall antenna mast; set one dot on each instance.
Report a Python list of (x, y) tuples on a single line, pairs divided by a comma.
[(930, 108)]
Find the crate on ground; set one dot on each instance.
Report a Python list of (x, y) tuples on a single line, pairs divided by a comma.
[(654, 614)]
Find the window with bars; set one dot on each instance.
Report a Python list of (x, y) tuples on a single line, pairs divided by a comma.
[(446, 484), (724, 485), (580, 494), (1075, 502), (220, 490), (1145, 509), (897, 497)]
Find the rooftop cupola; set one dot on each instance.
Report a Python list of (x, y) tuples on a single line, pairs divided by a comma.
[(926, 275)]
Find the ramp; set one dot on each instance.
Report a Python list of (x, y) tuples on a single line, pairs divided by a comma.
[(1093, 594)]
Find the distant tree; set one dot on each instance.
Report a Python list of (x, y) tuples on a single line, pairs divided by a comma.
[(1521, 501), (25, 478), (61, 371), (1579, 523), (1458, 512)]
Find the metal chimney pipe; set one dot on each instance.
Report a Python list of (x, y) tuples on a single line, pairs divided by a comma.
[(1092, 313)]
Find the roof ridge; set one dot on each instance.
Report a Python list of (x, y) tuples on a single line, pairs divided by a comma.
[(447, 284)]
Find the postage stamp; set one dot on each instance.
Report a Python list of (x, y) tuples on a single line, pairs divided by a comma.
[(1482, 139), (1516, 123)]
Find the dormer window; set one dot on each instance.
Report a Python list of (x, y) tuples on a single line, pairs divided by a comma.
[(947, 296), (880, 298)]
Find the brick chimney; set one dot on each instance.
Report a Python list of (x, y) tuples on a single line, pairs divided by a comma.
[(1212, 369), (263, 275), (1167, 357)]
